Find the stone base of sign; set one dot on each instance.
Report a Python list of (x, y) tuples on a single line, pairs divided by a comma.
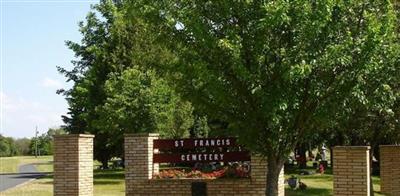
[(351, 169), (214, 187), (390, 169), (139, 172), (73, 165)]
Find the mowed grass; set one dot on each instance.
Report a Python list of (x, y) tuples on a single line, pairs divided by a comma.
[(316, 185), (106, 183), (44, 166), (112, 182), (322, 185), (11, 164)]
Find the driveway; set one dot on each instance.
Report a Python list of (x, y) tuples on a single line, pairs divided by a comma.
[(26, 173)]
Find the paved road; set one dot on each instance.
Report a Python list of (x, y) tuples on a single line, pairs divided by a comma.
[(26, 173)]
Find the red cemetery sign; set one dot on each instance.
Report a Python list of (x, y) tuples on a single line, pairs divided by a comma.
[(202, 157), (194, 143), (224, 156)]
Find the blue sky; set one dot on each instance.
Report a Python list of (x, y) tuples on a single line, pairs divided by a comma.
[(32, 45)]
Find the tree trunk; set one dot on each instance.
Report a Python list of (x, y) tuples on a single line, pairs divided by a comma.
[(104, 164), (303, 157), (275, 165)]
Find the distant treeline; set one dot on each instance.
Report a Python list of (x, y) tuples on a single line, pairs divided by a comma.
[(27, 146)]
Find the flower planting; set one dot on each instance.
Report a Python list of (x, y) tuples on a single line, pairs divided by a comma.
[(229, 171)]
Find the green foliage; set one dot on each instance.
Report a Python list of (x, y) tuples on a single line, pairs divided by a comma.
[(7, 147), (4, 148), (276, 72), (279, 71), (139, 102), (200, 127), (14, 147), (44, 142), (114, 90), (369, 115), (22, 146)]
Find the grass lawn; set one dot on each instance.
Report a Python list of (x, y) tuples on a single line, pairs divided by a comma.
[(105, 183), (44, 166), (11, 164), (322, 185), (112, 182)]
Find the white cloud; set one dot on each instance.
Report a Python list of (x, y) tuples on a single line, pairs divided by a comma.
[(12, 104), (51, 83), (20, 116)]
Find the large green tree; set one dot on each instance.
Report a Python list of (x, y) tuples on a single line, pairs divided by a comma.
[(137, 101), (277, 70), (114, 91), (372, 112)]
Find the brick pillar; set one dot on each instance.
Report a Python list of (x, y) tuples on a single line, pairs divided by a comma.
[(351, 171), (259, 174), (73, 165), (138, 159), (281, 183), (390, 169)]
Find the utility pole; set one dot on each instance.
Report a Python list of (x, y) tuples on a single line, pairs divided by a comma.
[(36, 142)]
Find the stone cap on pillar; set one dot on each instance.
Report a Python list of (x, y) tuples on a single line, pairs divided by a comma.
[(353, 147), (141, 135), (76, 135)]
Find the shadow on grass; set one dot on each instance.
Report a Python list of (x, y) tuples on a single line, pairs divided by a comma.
[(317, 177), (29, 175), (106, 182), (109, 174), (101, 177), (108, 177), (308, 192), (44, 163), (315, 191), (50, 176), (294, 170)]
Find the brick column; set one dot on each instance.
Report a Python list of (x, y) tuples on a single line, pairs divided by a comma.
[(73, 165), (390, 169), (351, 171), (259, 175), (281, 183), (138, 159)]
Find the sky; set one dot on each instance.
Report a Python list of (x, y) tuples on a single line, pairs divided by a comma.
[(33, 35)]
